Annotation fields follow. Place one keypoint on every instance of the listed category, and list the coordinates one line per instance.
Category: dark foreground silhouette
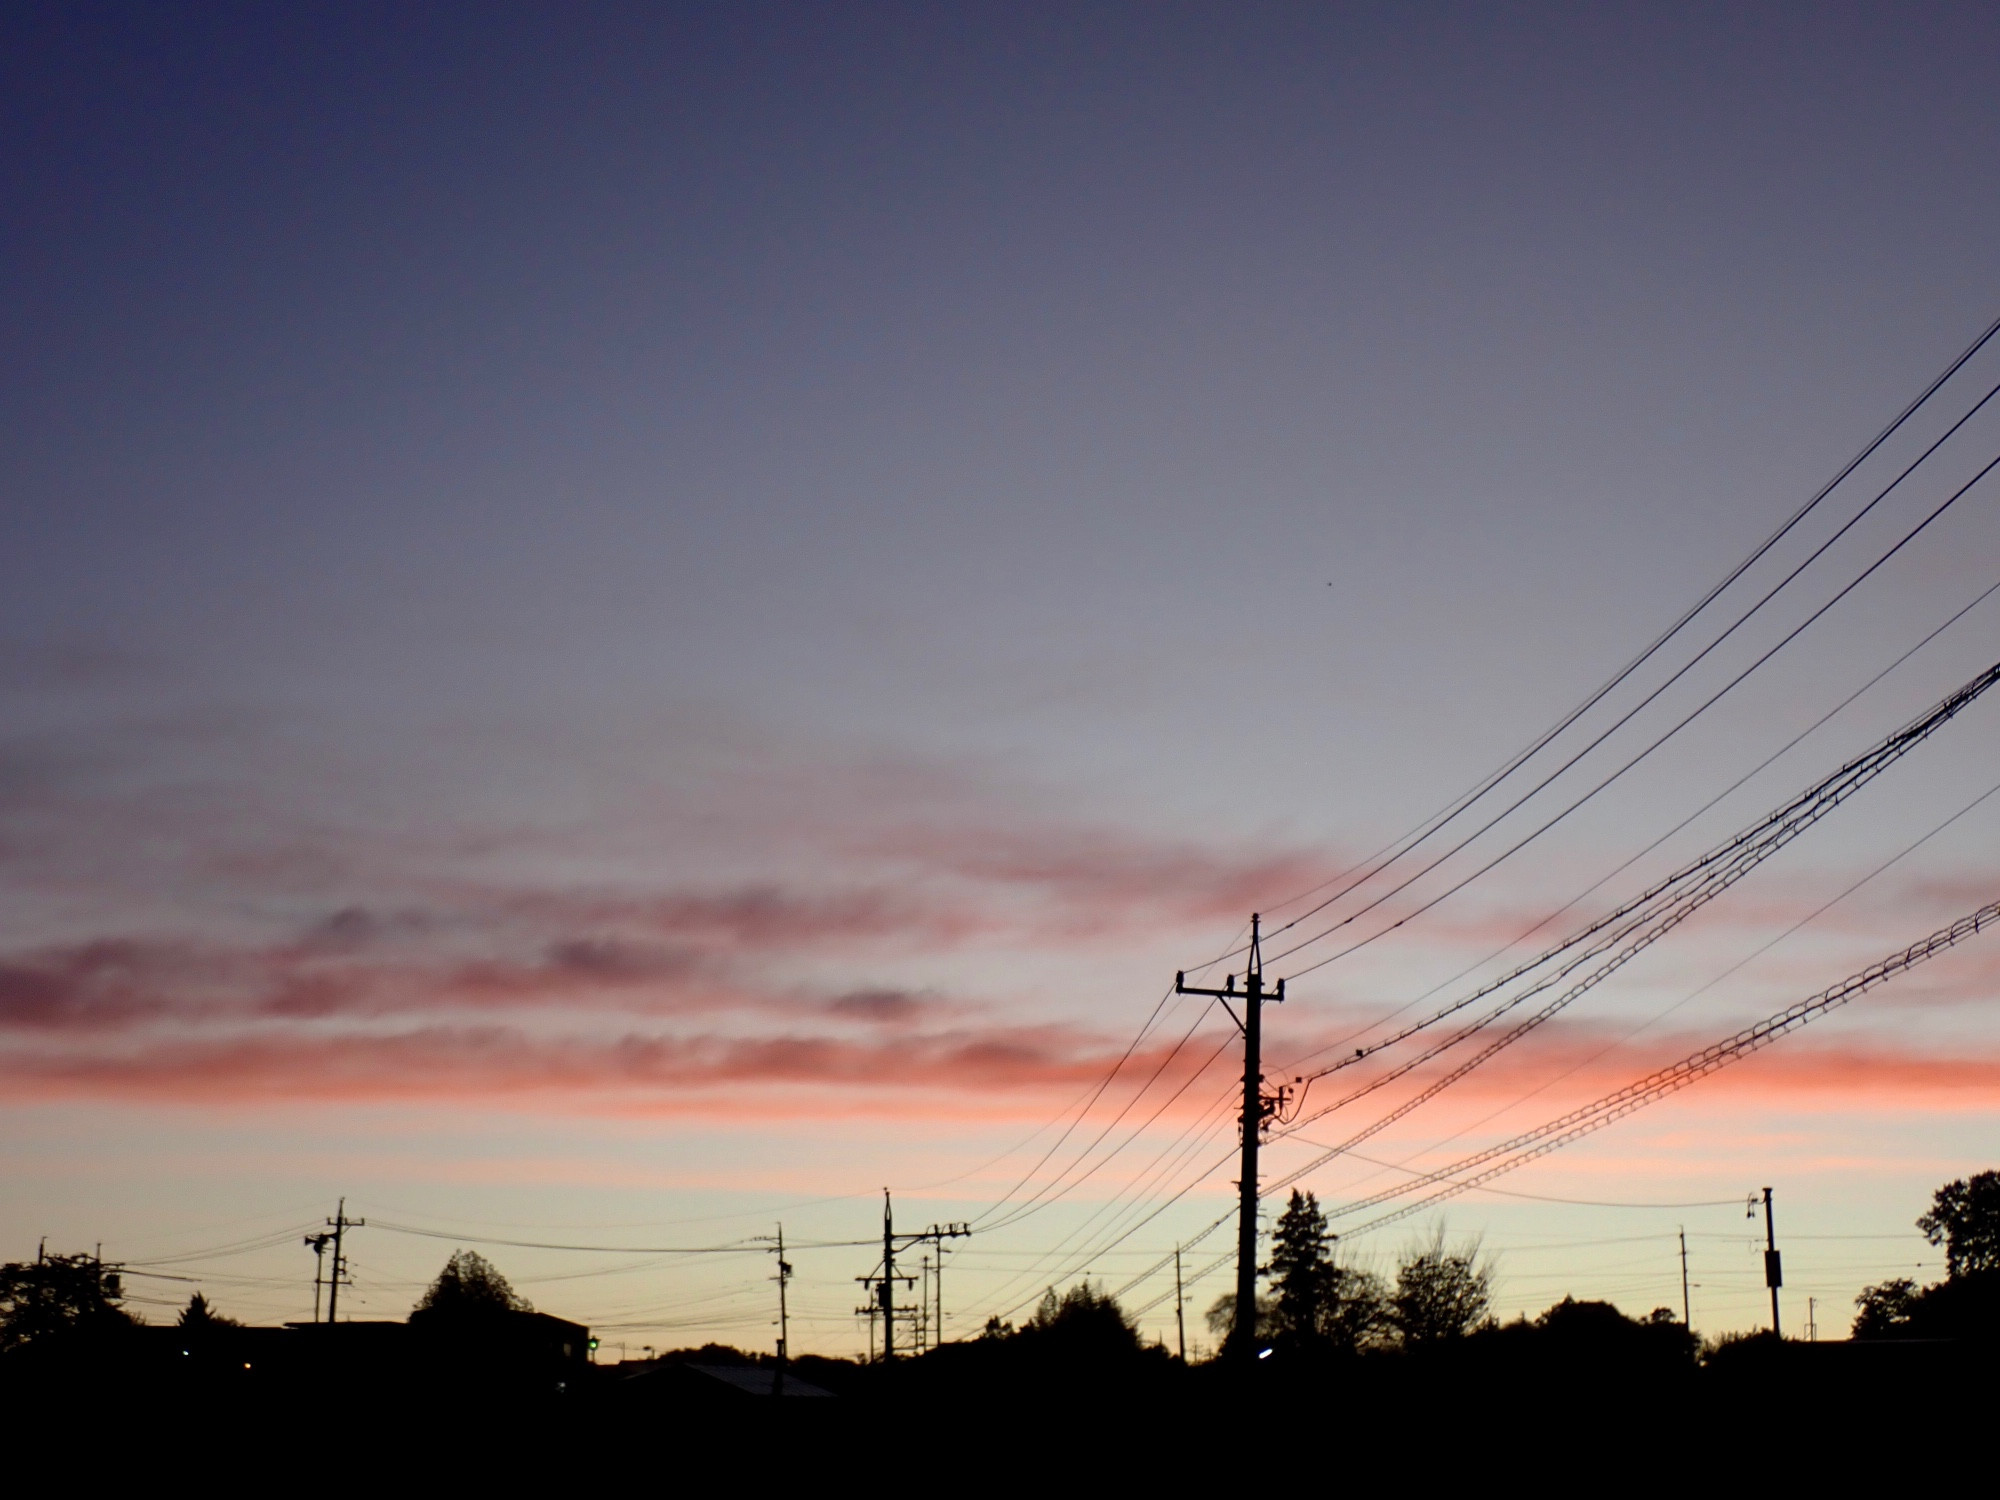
(1347, 1370)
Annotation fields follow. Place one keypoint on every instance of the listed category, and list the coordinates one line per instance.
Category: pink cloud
(124, 985)
(499, 1062)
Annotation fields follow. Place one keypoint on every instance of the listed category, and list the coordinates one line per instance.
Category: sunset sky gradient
(622, 622)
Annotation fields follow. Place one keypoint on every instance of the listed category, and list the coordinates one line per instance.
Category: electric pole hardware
(1258, 1108)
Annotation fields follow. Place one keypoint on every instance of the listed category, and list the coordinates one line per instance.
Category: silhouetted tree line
(1319, 1320)
(1319, 1308)
(1964, 1217)
(57, 1297)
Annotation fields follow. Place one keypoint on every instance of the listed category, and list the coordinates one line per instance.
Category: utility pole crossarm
(1228, 992)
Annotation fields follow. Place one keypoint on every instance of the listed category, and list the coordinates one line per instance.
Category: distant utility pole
(883, 1287)
(339, 1224)
(784, 1328)
(1774, 1274)
(1257, 1108)
(1180, 1318)
(924, 1307)
(933, 1271)
(1687, 1307)
(1812, 1320)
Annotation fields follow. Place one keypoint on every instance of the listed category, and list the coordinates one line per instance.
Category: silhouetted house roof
(524, 1350)
(555, 1338)
(501, 1354)
(674, 1382)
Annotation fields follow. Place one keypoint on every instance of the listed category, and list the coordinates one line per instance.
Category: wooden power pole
(1687, 1306)
(339, 1224)
(1180, 1318)
(1256, 1109)
(1774, 1273)
(882, 1302)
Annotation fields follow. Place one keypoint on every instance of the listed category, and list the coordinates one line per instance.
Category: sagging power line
(1362, 879)
(1635, 926)
(1482, 1166)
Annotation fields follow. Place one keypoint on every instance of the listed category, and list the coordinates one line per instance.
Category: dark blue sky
(659, 512)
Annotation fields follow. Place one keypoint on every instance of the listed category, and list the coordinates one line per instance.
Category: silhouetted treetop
(1883, 1311)
(1301, 1269)
(1317, 1304)
(58, 1294)
(198, 1315)
(470, 1283)
(1440, 1293)
(1964, 1217)
(1082, 1321)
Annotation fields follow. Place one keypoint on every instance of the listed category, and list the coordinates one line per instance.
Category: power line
(1812, 916)
(1089, 1105)
(221, 1252)
(1707, 806)
(1705, 651)
(1698, 711)
(1743, 853)
(1449, 1181)
(1145, 1190)
(1042, 1198)
(1409, 842)
(738, 1247)
(1118, 1235)
(1713, 874)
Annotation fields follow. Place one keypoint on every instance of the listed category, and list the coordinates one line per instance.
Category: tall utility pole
(888, 1290)
(882, 1300)
(1774, 1274)
(784, 1326)
(924, 1307)
(883, 1303)
(1687, 1307)
(784, 1329)
(1180, 1318)
(340, 1224)
(1257, 1107)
